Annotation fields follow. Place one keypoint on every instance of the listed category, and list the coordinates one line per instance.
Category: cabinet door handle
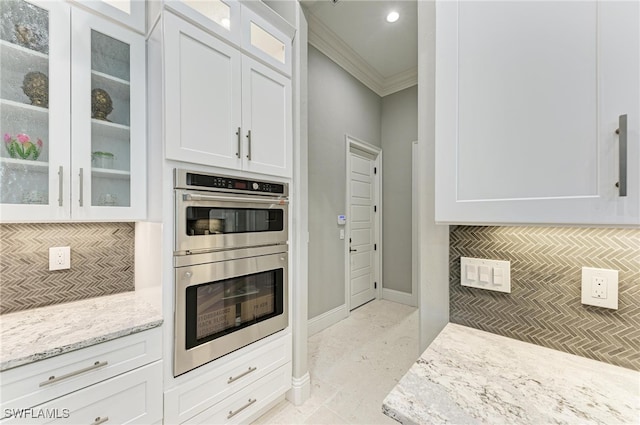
(100, 420)
(53, 379)
(239, 134)
(81, 200)
(622, 155)
(249, 145)
(233, 413)
(245, 373)
(60, 185)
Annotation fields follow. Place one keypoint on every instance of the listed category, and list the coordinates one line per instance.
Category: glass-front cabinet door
(34, 110)
(220, 16)
(108, 128)
(128, 12)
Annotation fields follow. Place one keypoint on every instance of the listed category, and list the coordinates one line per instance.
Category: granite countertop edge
(31, 335)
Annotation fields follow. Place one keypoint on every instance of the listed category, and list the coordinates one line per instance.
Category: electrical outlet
(59, 258)
(600, 287)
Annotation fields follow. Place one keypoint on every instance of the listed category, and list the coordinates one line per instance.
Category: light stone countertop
(31, 335)
(468, 376)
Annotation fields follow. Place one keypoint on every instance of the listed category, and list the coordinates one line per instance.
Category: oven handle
(201, 197)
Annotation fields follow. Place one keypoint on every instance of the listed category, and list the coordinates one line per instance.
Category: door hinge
(375, 208)
(375, 170)
(375, 246)
(375, 285)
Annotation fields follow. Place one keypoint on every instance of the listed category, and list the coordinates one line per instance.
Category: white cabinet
(528, 99)
(120, 380)
(261, 372)
(83, 110)
(128, 12)
(242, 27)
(203, 101)
(267, 117)
(230, 110)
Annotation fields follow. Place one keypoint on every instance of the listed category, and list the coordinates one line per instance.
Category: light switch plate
(493, 275)
(600, 287)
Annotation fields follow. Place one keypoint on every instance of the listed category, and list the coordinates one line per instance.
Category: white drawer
(30, 385)
(134, 397)
(249, 402)
(204, 389)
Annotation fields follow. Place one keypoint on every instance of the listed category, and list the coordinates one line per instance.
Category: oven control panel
(195, 180)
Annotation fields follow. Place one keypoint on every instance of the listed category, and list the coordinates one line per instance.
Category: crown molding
(400, 81)
(330, 44)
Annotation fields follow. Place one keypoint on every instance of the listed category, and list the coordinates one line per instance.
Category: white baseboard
(300, 389)
(327, 319)
(399, 297)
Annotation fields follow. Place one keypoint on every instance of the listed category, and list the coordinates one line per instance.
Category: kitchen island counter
(471, 376)
(31, 335)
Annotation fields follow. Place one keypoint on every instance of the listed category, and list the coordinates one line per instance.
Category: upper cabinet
(128, 12)
(537, 112)
(233, 110)
(219, 16)
(242, 27)
(70, 145)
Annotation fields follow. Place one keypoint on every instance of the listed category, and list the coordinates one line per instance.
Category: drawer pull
(53, 379)
(100, 420)
(232, 413)
(245, 373)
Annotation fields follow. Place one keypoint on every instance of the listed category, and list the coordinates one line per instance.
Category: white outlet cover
(62, 252)
(589, 274)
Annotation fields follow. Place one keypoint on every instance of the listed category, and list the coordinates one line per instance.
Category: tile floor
(353, 366)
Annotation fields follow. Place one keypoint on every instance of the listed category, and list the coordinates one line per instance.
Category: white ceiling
(356, 35)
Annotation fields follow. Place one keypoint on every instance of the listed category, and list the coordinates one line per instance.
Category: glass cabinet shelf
(25, 165)
(110, 174)
(18, 54)
(34, 112)
(114, 83)
(111, 129)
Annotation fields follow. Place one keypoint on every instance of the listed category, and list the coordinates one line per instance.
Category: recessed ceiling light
(393, 16)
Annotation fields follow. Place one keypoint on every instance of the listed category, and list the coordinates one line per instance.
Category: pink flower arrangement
(22, 146)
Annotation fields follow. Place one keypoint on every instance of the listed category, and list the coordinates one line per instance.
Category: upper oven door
(207, 221)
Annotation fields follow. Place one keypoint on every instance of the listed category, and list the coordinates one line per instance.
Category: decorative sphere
(36, 86)
(101, 104)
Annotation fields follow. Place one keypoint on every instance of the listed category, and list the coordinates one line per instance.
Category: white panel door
(361, 205)
(267, 119)
(528, 96)
(203, 94)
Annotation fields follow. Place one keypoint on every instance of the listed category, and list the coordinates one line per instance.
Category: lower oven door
(226, 305)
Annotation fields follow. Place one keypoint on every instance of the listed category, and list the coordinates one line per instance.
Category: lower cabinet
(118, 381)
(134, 397)
(246, 404)
(234, 389)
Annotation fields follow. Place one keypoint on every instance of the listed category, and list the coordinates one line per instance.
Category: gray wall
(338, 105)
(399, 130)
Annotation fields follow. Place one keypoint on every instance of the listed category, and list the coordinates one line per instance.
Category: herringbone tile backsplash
(544, 306)
(102, 263)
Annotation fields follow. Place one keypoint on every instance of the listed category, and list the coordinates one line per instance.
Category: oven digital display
(240, 185)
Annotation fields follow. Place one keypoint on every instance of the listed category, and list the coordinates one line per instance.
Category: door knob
(353, 250)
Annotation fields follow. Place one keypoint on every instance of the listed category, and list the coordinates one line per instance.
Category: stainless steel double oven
(230, 263)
